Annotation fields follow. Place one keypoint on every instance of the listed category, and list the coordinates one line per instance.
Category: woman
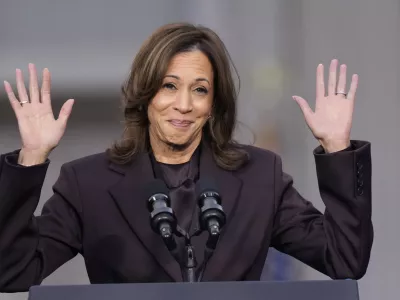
(180, 111)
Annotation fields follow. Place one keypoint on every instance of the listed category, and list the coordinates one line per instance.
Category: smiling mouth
(180, 123)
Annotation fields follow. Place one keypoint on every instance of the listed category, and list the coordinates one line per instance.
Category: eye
(169, 86)
(201, 90)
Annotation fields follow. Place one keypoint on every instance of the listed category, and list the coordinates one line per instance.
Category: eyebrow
(197, 79)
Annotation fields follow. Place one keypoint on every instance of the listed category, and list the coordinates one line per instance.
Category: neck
(166, 154)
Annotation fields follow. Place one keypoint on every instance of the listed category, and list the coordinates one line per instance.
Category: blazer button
(360, 190)
(359, 166)
(360, 182)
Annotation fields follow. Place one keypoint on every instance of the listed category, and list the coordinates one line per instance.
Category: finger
(341, 87)
(305, 108)
(320, 85)
(332, 77)
(353, 87)
(33, 84)
(65, 112)
(22, 95)
(46, 99)
(11, 96)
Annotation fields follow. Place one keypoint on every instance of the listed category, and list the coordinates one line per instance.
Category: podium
(246, 290)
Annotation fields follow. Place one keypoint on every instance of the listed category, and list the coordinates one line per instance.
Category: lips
(181, 123)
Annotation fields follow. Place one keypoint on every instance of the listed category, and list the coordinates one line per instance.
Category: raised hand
(331, 121)
(40, 131)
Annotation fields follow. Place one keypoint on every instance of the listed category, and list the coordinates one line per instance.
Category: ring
(341, 93)
(24, 102)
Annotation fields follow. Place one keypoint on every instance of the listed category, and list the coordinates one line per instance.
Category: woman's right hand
(40, 131)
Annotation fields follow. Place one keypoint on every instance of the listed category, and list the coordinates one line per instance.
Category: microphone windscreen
(206, 185)
(156, 186)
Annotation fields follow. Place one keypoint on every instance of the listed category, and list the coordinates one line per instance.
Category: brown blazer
(98, 210)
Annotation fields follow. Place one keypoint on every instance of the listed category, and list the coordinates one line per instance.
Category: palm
(39, 130)
(332, 118)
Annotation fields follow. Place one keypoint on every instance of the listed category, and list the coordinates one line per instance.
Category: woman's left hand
(331, 121)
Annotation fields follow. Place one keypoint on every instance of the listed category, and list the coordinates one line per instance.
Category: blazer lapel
(129, 195)
(229, 188)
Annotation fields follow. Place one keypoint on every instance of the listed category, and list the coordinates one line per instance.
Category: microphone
(162, 217)
(212, 216)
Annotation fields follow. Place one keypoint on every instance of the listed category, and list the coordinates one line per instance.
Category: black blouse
(180, 180)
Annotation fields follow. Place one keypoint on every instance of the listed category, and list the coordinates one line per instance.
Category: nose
(183, 102)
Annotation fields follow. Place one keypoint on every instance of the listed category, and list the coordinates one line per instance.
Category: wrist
(334, 145)
(32, 157)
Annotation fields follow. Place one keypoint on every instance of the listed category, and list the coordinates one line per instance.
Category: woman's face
(183, 104)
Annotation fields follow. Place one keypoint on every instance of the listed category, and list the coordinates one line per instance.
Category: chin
(179, 142)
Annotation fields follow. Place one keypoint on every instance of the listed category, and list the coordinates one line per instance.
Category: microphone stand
(170, 243)
(189, 263)
(212, 219)
(213, 237)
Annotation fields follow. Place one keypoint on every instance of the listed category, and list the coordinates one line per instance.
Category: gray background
(276, 45)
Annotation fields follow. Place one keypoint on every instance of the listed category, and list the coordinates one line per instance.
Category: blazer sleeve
(337, 243)
(31, 248)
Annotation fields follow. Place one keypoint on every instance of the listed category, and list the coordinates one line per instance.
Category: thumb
(65, 111)
(305, 108)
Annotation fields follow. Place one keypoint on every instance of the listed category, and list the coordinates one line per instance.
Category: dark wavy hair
(148, 70)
